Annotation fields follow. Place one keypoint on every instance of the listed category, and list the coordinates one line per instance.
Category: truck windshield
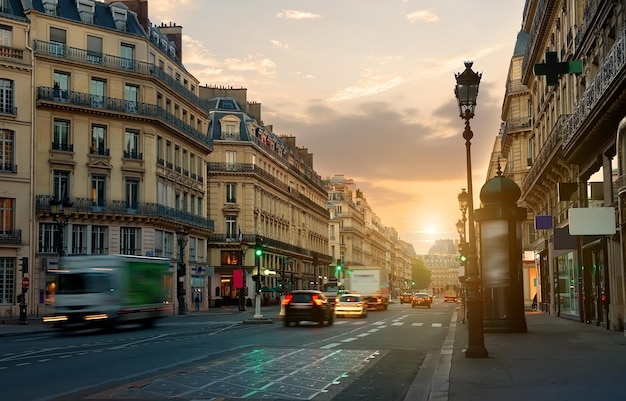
(82, 283)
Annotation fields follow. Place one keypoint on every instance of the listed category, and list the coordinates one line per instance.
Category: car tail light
(287, 299)
(316, 300)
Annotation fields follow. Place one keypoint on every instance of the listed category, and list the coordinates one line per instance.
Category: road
(218, 357)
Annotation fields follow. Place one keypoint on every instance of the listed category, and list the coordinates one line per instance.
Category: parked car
(351, 305)
(406, 298)
(420, 299)
(309, 306)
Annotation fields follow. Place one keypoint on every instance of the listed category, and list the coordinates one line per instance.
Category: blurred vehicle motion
(351, 305)
(406, 298)
(420, 299)
(308, 305)
(107, 290)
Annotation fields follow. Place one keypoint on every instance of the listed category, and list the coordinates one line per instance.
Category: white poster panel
(494, 255)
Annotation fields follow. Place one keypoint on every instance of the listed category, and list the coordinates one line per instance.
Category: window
(61, 184)
(168, 154)
(231, 227)
(159, 150)
(61, 136)
(192, 246)
(99, 240)
(47, 238)
(6, 36)
(192, 165)
(57, 41)
(7, 214)
(7, 280)
(98, 92)
(132, 193)
(130, 241)
(185, 162)
(127, 53)
(131, 97)
(7, 151)
(192, 203)
(98, 191)
(177, 158)
(98, 140)
(131, 145)
(231, 193)
(6, 97)
(61, 91)
(79, 239)
(200, 212)
(163, 244)
(94, 49)
(231, 160)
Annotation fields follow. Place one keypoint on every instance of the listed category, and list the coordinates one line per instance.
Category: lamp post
(242, 290)
(60, 211)
(466, 92)
(258, 253)
(181, 237)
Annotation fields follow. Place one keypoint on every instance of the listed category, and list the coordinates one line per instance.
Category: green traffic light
(258, 252)
(339, 267)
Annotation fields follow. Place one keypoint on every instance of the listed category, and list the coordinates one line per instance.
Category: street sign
(25, 282)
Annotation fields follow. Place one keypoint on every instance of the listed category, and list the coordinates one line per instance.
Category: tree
(420, 274)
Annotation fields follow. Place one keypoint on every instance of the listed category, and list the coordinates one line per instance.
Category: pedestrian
(197, 301)
(534, 304)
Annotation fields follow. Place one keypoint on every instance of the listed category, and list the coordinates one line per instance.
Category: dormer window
(51, 6)
(86, 10)
(119, 16)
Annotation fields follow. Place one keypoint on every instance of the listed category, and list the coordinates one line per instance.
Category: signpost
(25, 282)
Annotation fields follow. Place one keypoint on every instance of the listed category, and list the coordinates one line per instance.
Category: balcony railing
(258, 240)
(10, 236)
(65, 147)
(133, 155)
(122, 106)
(612, 66)
(8, 168)
(10, 52)
(121, 207)
(118, 63)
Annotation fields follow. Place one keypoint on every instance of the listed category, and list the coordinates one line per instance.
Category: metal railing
(121, 106)
(122, 207)
(10, 236)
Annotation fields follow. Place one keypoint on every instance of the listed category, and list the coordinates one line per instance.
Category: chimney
(175, 34)
(139, 7)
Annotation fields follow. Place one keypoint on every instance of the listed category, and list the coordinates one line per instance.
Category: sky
(367, 86)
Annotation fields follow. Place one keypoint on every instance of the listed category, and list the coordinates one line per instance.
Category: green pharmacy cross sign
(552, 68)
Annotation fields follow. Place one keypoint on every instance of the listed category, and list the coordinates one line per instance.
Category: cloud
(293, 14)
(372, 83)
(278, 43)
(208, 68)
(422, 15)
(165, 10)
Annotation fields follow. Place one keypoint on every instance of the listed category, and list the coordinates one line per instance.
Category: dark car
(420, 299)
(406, 298)
(308, 306)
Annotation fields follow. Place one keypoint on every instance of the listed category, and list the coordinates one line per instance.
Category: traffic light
(25, 264)
(258, 252)
(338, 266)
(463, 253)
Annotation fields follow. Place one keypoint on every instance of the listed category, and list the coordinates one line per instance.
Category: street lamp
(466, 92)
(258, 253)
(242, 290)
(60, 211)
(181, 237)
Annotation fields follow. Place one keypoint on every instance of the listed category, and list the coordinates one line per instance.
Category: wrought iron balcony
(11, 237)
(121, 207)
(117, 63)
(65, 147)
(121, 106)
(8, 168)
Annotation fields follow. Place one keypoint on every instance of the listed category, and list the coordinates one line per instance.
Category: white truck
(106, 290)
(373, 283)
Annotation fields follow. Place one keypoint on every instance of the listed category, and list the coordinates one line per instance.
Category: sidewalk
(557, 359)
(14, 327)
